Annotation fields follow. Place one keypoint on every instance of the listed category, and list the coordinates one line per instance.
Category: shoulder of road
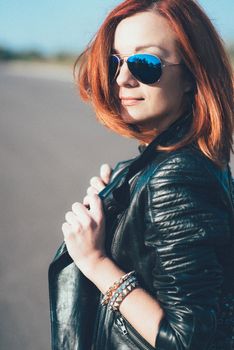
(39, 70)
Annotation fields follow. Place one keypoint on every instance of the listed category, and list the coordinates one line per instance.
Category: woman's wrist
(103, 272)
(88, 266)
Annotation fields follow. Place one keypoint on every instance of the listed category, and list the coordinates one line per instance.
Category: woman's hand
(84, 233)
(84, 229)
(99, 183)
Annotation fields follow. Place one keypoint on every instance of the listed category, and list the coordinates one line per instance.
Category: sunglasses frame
(124, 58)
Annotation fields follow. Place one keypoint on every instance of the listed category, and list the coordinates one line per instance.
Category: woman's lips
(131, 101)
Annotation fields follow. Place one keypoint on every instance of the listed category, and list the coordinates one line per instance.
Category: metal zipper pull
(121, 324)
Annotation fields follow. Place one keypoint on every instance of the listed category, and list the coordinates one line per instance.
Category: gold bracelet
(108, 295)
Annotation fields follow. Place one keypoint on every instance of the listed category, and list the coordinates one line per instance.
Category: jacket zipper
(113, 245)
(142, 343)
(121, 324)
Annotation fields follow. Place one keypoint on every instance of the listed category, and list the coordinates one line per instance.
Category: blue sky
(67, 25)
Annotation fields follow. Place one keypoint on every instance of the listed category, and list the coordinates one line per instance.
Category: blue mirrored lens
(145, 68)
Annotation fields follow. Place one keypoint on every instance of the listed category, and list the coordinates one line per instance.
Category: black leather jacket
(169, 217)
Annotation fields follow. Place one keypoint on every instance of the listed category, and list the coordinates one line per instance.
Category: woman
(152, 251)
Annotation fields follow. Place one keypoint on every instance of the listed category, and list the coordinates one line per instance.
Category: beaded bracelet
(124, 289)
(120, 289)
(108, 295)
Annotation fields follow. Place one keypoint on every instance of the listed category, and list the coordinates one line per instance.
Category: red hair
(204, 56)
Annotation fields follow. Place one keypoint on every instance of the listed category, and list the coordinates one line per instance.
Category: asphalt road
(50, 146)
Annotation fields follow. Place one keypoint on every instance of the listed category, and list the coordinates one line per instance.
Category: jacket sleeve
(187, 222)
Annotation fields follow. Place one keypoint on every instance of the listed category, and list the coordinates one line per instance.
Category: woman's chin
(139, 120)
(133, 118)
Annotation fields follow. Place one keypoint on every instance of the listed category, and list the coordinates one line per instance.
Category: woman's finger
(67, 231)
(82, 214)
(105, 173)
(95, 207)
(72, 219)
(92, 190)
(97, 183)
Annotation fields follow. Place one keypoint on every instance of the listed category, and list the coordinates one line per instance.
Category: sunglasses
(146, 68)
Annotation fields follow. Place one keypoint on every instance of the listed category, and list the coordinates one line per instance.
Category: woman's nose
(125, 77)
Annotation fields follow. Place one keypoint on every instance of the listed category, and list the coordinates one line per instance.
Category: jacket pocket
(131, 333)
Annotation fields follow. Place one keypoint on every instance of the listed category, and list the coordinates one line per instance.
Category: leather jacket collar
(118, 196)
